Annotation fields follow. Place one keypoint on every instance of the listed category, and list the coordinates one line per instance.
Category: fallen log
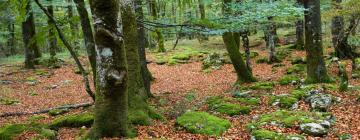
(9, 114)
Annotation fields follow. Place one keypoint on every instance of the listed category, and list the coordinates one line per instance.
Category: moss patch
(284, 101)
(298, 60)
(296, 69)
(56, 112)
(222, 105)
(260, 86)
(267, 135)
(8, 132)
(287, 79)
(250, 101)
(203, 123)
(78, 120)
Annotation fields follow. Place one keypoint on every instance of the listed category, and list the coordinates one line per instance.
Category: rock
(320, 102)
(5, 82)
(314, 129)
(31, 83)
(325, 124)
(295, 137)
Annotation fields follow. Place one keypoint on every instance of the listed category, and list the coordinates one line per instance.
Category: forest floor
(32, 90)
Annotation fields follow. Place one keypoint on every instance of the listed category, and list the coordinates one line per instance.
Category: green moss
(267, 135)
(36, 118)
(298, 93)
(203, 123)
(284, 101)
(78, 120)
(172, 62)
(161, 61)
(287, 118)
(181, 56)
(30, 79)
(295, 69)
(344, 136)
(8, 132)
(56, 112)
(260, 86)
(139, 117)
(48, 134)
(249, 101)
(232, 109)
(287, 79)
(8, 101)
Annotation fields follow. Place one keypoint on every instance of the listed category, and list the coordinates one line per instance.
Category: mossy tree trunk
(337, 26)
(88, 35)
(316, 70)
(243, 73)
(52, 41)
(271, 40)
(111, 105)
(145, 72)
(28, 32)
(202, 37)
(154, 13)
(343, 49)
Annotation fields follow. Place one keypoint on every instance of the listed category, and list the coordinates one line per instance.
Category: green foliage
(260, 86)
(214, 61)
(223, 105)
(249, 101)
(8, 101)
(284, 101)
(78, 120)
(139, 117)
(287, 79)
(262, 60)
(8, 132)
(298, 60)
(202, 123)
(181, 56)
(345, 136)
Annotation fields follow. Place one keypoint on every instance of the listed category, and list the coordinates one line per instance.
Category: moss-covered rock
(288, 79)
(181, 56)
(171, 62)
(203, 123)
(223, 105)
(78, 120)
(213, 60)
(260, 86)
(287, 118)
(161, 61)
(283, 101)
(263, 134)
(8, 132)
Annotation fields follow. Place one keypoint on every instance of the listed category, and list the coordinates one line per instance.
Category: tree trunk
(146, 74)
(88, 35)
(51, 37)
(316, 70)
(271, 40)
(159, 36)
(73, 26)
(11, 39)
(202, 37)
(337, 26)
(246, 45)
(243, 74)
(344, 50)
(28, 31)
(299, 35)
(111, 105)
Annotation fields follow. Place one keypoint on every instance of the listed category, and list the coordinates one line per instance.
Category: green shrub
(203, 123)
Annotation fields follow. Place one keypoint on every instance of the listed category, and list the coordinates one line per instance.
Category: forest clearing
(168, 69)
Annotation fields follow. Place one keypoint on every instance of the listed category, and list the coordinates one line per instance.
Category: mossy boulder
(224, 106)
(203, 123)
(263, 134)
(288, 79)
(284, 101)
(260, 86)
(181, 56)
(78, 120)
(213, 61)
(8, 132)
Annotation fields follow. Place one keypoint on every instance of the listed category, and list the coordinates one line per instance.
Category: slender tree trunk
(299, 31)
(316, 70)
(243, 74)
(73, 26)
(28, 31)
(111, 105)
(344, 50)
(51, 37)
(272, 40)
(146, 74)
(202, 37)
(246, 45)
(11, 39)
(159, 36)
(88, 35)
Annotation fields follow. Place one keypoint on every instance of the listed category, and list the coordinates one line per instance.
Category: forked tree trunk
(111, 105)
(316, 70)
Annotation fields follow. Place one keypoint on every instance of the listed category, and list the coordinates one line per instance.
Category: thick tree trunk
(51, 37)
(28, 31)
(243, 74)
(146, 74)
(299, 35)
(111, 105)
(11, 39)
(337, 26)
(316, 70)
(88, 35)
